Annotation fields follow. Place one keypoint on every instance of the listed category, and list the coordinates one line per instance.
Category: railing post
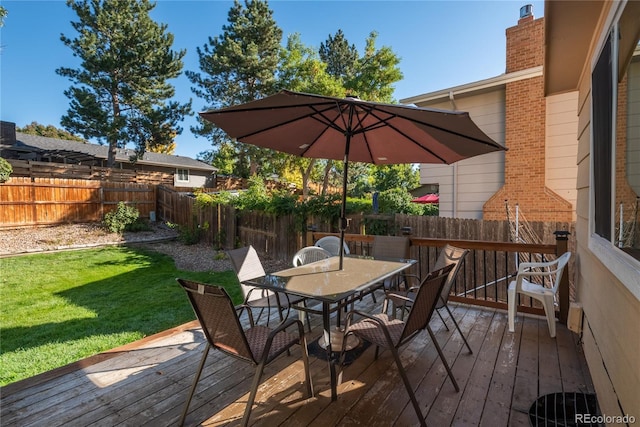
(311, 228)
(562, 240)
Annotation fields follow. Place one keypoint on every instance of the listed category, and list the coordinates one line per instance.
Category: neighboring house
(538, 171)
(592, 48)
(186, 172)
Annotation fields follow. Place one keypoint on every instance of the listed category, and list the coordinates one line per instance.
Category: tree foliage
(240, 65)
(3, 14)
(246, 62)
(49, 131)
(120, 93)
(340, 57)
(404, 176)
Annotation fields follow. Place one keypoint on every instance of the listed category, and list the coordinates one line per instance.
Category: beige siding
(611, 311)
(478, 178)
(561, 145)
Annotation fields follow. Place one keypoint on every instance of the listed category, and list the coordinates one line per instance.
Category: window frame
(180, 173)
(622, 265)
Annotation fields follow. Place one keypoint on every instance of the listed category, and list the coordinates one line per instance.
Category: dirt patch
(161, 238)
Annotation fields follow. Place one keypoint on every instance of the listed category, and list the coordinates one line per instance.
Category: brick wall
(525, 115)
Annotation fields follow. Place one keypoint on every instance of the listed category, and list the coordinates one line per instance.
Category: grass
(61, 307)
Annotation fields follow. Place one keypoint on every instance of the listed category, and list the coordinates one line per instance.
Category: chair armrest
(246, 307)
(524, 266)
(396, 297)
(281, 328)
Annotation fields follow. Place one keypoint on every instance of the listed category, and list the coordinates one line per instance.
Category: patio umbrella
(353, 130)
(427, 198)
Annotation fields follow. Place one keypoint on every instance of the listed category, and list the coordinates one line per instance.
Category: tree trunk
(325, 181)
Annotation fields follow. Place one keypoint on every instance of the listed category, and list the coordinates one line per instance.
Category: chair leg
(444, 360)
(252, 394)
(205, 353)
(442, 318)
(550, 311)
(305, 361)
(458, 328)
(511, 302)
(407, 384)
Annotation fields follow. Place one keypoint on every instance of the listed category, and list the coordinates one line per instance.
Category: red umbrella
(317, 126)
(427, 198)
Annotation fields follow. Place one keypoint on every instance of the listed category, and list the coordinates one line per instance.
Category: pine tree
(120, 94)
(238, 66)
(340, 57)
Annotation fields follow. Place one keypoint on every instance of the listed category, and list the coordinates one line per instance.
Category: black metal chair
(257, 345)
(450, 255)
(391, 333)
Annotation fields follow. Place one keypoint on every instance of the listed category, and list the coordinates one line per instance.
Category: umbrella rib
(451, 131)
(311, 114)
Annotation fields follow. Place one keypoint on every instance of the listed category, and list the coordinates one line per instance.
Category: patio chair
(304, 256)
(532, 283)
(450, 255)
(332, 245)
(391, 333)
(257, 345)
(393, 247)
(310, 254)
(247, 265)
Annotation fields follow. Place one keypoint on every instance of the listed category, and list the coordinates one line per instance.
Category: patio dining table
(333, 287)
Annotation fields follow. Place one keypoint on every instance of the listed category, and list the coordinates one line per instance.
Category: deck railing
(486, 271)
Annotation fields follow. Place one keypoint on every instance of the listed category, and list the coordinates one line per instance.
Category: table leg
(326, 321)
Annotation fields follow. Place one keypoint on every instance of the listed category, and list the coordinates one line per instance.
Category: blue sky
(440, 43)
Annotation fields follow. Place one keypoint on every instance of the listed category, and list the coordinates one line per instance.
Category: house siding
(466, 185)
(611, 338)
(561, 145)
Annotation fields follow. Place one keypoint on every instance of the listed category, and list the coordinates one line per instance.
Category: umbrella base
(337, 336)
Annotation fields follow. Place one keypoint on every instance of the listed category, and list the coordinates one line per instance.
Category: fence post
(562, 239)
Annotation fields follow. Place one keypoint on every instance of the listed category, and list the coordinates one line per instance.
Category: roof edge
(476, 86)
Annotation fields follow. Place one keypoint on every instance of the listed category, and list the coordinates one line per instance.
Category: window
(183, 175)
(602, 96)
(615, 151)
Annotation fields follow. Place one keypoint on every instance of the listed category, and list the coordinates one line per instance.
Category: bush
(190, 234)
(5, 170)
(117, 220)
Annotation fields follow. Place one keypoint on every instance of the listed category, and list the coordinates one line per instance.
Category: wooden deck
(146, 383)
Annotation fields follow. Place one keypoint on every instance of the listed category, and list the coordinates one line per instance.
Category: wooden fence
(28, 202)
(28, 168)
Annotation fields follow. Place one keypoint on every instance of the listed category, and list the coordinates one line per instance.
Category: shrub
(5, 170)
(117, 220)
(190, 234)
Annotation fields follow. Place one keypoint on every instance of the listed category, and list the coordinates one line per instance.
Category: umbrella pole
(343, 208)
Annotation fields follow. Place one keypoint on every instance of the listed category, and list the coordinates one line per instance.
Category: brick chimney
(525, 119)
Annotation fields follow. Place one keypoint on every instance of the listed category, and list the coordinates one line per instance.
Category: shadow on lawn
(146, 300)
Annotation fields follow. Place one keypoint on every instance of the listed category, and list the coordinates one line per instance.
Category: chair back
(555, 269)
(331, 244)
(217, 316)
(247, 265)
(309, 254)
(450, 255)
(390, 247)
(425, 302)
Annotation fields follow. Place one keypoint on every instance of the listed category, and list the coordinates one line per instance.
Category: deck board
(146, 383)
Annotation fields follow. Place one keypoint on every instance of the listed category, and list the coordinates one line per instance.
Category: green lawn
(58, 308)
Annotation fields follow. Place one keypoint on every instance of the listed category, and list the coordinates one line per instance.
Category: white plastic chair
(332, 245)
(310, 254)
(546, 272)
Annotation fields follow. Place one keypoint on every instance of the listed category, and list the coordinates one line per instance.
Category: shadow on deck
(146, 383)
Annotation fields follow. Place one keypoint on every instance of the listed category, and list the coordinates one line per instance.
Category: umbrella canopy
(427, 198)
(353, 130)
